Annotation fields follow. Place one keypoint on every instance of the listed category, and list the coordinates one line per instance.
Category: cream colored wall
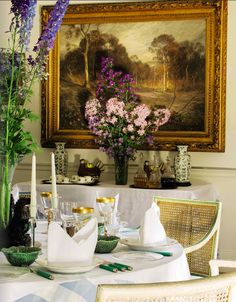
(217, 168)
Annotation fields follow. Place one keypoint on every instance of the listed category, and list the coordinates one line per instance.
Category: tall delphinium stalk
(19, 69)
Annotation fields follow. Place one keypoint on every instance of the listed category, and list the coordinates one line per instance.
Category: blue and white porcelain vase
(182, 165)
(61, 159)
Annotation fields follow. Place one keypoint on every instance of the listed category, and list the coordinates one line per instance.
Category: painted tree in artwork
(182, 63)
(188, 65)
(84, 31)
(81, 32)
(163, 48)
(171, 69)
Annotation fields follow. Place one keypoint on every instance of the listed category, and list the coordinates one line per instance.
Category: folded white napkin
(151, 230)
(66, 250)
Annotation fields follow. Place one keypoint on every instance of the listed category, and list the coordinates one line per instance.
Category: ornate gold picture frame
(176, 52)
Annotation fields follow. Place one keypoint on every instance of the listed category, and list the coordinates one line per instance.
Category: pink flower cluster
(120, 122)
(123, 127)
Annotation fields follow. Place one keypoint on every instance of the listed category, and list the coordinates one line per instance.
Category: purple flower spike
(46, 40)
(19, 70)
(24, 13)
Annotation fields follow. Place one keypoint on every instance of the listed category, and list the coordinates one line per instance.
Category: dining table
(19, 284)
(133, 202)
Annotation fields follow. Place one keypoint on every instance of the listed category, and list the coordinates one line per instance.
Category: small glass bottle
(155, 176)
(140, 178)
(168, 177)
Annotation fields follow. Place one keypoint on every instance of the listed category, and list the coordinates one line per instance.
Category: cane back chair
(218, 289)
(195, 224)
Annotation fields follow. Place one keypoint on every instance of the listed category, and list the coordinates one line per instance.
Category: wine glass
(46, 198)
(82, 215)
(48, 211)
(67, 216)
(106, 208)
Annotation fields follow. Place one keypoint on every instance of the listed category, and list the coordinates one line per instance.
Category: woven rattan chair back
(211, 289)
(195, 224)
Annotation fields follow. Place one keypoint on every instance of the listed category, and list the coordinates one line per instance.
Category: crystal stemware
(106, 208)
(46, 198)
(82, 215)
(67, 216)
(48, 212)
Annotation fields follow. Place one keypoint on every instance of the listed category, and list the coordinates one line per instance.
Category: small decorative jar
(182, 164)
(61, 159)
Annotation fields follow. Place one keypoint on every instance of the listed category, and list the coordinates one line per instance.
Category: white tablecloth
(82, 287)
(132, 202)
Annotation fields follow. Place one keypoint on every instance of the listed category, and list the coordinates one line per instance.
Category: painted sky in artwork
(137, 37)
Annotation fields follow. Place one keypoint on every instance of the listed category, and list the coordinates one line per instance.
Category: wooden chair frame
(215, 265)
(220, 288)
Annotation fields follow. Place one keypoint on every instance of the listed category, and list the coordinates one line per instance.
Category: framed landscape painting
(175, 51)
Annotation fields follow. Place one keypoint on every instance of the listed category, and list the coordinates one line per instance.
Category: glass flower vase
(11, 229)
(6, 175)
(121, 170)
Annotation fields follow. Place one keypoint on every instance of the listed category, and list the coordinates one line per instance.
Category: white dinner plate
(12, 272)
(136, 256)
(72, 269)
(134, 244)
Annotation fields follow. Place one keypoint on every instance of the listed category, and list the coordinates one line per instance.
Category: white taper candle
(33, 199)
(54, 183)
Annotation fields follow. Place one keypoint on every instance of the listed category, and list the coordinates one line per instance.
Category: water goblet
(113, 225)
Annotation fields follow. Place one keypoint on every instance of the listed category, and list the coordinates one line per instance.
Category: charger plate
(73, 268)
(134, 244)
(134, 256)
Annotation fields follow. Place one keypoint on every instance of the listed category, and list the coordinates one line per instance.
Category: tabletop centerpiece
(20, 69)
(121, 123)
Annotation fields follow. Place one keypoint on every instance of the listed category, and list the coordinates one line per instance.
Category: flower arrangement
(19, 70)
(120, 122)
